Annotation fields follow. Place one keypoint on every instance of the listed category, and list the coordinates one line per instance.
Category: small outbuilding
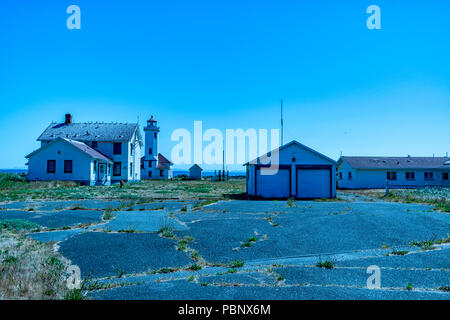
(195, 172)
(293, 170)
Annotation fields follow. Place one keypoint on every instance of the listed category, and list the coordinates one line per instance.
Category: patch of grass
(444, 207)
(166, 232)
(75, 294)
(18, 225)
(409, 287)
(195, 255)
(252, 239)
(246, 244)
(232, 270)
(423, 244)
(31, 269)
(327, 264)
(444, 288)
(191, 278)
(237, 264)
(182, 245)
(291, 202)
(108, 213)
(127, 231)
(385, 246)
(195, 267)
(188, 238)
(399, 252)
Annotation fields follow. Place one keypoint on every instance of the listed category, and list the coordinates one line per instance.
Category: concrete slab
(100, 254)
(55, 219)
(185, 290)
(143, 221)
(390, 278)
(56, 236)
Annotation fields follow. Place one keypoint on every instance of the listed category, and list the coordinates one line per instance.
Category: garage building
(302, 173)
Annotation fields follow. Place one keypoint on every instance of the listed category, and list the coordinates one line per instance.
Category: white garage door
(273, 186)
(313, 183)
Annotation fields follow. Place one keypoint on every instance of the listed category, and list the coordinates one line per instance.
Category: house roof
(397, 162)
(293, 142)
(195, 166)
(163, 162)
(81, 146)
(95, 131)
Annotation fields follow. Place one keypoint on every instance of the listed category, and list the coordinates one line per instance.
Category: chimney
(68, 119)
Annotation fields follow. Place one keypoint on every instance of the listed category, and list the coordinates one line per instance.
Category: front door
(101, 172)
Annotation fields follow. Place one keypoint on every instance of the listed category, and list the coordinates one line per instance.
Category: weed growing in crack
(327, 264)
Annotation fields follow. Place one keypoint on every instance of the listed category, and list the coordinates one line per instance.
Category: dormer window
(94, 144)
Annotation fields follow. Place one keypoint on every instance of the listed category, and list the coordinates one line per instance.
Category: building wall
(345, 183)
(60, 151)
(126, 158)
(376, 179)
(302, 157)
(195, 174)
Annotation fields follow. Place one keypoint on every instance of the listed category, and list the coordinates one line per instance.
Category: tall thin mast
(281, 121)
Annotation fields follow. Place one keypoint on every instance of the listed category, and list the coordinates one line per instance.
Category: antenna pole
(281, 121)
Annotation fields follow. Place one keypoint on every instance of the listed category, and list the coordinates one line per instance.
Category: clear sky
(228, 63)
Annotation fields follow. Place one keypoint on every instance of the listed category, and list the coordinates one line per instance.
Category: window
(155, 135)
(428, 175)
(131, 148)
(161, 173)
(51, 166)
(131, 169)
(340, 175)
(94, 144)
(445, 176)
(392, 175)
(150, 151)
(149, 164)
(95, 165)
(410, 176)
(149, 174)
(143, 165)
(349, 175)
(117, 148)
(68, 166)
(117, 169)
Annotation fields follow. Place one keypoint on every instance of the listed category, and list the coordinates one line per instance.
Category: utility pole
(223, 158)
(281, 121)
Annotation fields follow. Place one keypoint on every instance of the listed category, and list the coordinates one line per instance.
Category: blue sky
(228, 63)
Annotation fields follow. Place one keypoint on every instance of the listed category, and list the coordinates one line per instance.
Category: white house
(153, 164)
(65, 159)
(195, 172)
(398, 172)
(302, 173)
(119, 143)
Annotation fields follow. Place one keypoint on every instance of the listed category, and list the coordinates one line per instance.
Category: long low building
(300, 172)
(397, 172)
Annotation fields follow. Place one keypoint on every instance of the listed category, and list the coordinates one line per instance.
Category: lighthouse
(149, 164)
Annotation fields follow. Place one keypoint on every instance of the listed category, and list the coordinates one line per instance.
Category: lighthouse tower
(148, 167)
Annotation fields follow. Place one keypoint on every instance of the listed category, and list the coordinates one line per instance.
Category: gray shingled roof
(79, 145)
(90, 131)
(88, 150)
(397, 162)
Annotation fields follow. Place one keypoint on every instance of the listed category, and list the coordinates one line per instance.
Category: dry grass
(30, 269)
(13, 188)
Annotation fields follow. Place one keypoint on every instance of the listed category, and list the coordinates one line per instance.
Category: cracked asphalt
(249, 249)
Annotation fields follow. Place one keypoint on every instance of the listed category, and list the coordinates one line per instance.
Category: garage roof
(293, 142)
